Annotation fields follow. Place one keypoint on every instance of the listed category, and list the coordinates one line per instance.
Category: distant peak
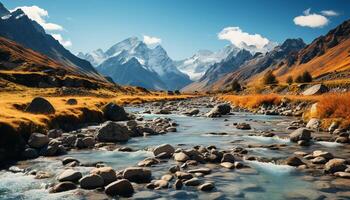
(3, 10)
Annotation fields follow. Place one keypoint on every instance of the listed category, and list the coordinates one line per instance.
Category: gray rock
(137, 174)
(91, 181)
(164, 148)
(114, 112)
(181, 157)
(313, 123)
(121, 187)
(69, 175)
(206, 187)
(30, 153)
(62, 187)
(316, 89)
(227, 157)
(38, 140)
(192, 182)
(40, 105)
(113, 132)
(300, 134)
(67, 160)
(228, 165)
(107, 173)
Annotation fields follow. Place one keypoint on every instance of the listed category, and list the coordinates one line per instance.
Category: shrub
(235, 86)
(290, 80)
(269, 78)
(304, 78)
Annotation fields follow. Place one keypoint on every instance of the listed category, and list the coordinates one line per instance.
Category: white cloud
(329, 13)
(241, 39)
(149, 40)
(39, 15)
(59, 38)
(311, 20)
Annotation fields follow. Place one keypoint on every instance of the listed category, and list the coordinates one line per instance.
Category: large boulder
(218, 110)
(40, 105)
(114, 112)
(38, 140)
(167, 149)
(181, 157)
(69, 175)
(91, 181)
(313, 123)
(121, 187)
(113, 132)
(107, 173)
(316, 89)
(335, 165)
(300, 134)
(137, 174)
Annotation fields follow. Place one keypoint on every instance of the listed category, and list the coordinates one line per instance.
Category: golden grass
(12, 104)
(330, 107)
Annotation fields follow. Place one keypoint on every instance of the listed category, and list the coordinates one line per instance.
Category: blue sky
(184, 26)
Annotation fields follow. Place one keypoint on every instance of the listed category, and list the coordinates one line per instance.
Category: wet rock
(162, 111)
(54, 133)
(178, 184)
(167, 177)
(113, 132)
(342, 174)
(206, 187)
(107, 173)
(243, 126)
(316, 89)
(313, 123)
(200, 170)
(333, 126)
(303, 143)
(38, 140)
(294, 161)
(181, 157)
(148, 162)
(319, 160)
(192, 182)
(67, 160)
(42, 175)
(69, 175)
(30, 153)
(218, 110)
(183, 175)
(227, 165)
(88, 142)
(300, 134)
(174, 169)
(323, 186)
(164, 148)
(120, 188)
(227, 157)
(62, 187)
(192, 112)
(40, 105)
(161, 184)
(91, 181)
(342, 140)
(323, 154)
(137, 174)
(114, 112)
(335, 165)
(171, 129)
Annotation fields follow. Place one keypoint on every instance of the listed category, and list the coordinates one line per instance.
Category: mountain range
(132, 62)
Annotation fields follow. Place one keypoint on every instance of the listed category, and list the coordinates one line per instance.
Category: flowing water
(261, 181)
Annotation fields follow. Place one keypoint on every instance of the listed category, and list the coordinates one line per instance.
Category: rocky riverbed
(190, 149)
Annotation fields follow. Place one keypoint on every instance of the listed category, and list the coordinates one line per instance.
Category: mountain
(261, 62)
(22, 66)
(155, 61)
(233, 61)
(17, 27)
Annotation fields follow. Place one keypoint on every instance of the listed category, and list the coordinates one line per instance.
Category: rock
(114, 112)
(313, 123)
(89, 142)
(303, 143)
(91, 181)
(294, 161)
(148, 162)
(137, 174)
(164, 148)
(342, 140)
(228, 165)
(181, 157)
(69, 175)
(200, 170)
(319, 160)
(113, 132)
(227, 157)
(300, 134)
(206, 187)
(174, 169)
(167, 177)
(316, 89)
(183, 175)
(30, 153)
(218, 110)
(40, 105)
(72, 101)
(62, 187)
(323, 154)
(146, 195)
(161, 184)
(67, 160)
(42, 175)
(192, 182)
(335, 165)
(192, 112)
(178, 184)
(343, 174)
(121, 187)
(107, 173)
(171, 129)
(54, 133)
(333, 126)
(38, 140)
(243, 126)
